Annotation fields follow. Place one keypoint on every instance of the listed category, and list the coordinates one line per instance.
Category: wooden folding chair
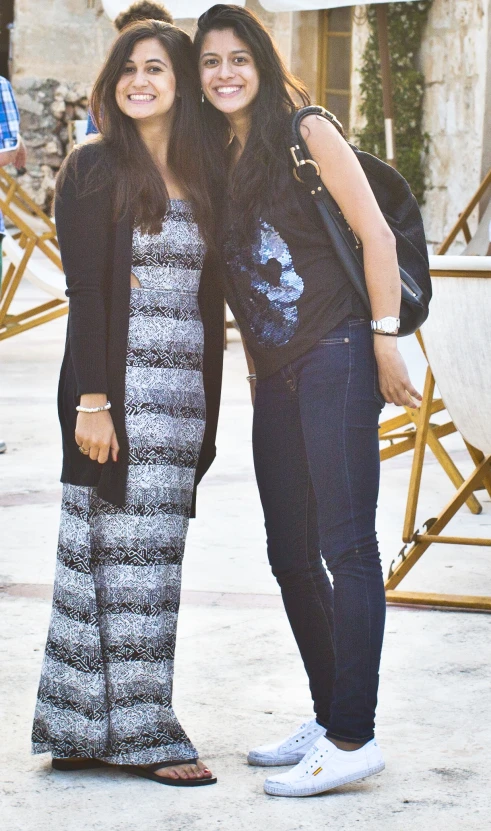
(401, 431)
(457, 342)
(25, 258)
(14, 198)
(30, 250)
(477, 243)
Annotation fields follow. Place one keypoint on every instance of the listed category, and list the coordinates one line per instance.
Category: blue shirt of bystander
(9, 125)
(91, 128)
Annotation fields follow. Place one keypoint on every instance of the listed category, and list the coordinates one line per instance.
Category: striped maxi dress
(106, 680)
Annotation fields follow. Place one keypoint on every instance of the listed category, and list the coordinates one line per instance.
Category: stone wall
(63, 39)
(359, 39)
(454, 60)
(45, 108)
(57, 55)
(68, 42)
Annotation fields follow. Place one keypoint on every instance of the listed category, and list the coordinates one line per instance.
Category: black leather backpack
(400, 210)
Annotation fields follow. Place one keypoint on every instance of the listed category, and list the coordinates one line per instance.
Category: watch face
(389, 324)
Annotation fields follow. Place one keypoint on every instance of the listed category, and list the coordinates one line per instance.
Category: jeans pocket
(327, 341)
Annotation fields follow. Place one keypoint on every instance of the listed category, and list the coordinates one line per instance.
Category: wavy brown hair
(253, 182)
(137, 184)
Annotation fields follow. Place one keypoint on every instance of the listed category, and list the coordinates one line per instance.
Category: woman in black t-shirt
(321, 382)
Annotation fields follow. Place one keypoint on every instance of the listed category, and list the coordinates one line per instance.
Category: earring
(202, 97)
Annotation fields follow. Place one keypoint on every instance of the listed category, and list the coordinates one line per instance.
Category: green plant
(405, 23)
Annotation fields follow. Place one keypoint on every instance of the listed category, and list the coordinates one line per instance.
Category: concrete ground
(239, 680)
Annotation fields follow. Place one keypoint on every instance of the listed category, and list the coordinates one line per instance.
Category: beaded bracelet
(80, 409)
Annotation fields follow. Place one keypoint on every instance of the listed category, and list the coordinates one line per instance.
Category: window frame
(325, 34)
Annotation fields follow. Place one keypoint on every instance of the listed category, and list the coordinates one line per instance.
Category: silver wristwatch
(386, 325)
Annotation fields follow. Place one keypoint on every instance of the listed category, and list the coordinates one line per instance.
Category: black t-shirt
(286, 286)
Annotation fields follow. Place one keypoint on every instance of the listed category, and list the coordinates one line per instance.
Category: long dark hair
(138, 186)
(254, 179)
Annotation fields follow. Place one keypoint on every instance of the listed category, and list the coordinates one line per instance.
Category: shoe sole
(76, 764)
(274, 789)
(261, 761)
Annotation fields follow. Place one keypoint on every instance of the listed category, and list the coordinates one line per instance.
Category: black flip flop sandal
(148, 772)
(76, 764)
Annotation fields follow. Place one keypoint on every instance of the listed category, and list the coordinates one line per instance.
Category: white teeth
(141, 97)
(227, 90)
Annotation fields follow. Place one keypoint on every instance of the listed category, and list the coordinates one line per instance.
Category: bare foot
(185, 771)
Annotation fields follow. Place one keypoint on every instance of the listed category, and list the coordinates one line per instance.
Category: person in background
(12, 151)
(141, 10)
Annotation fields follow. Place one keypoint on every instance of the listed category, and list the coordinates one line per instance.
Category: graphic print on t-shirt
(272, 289)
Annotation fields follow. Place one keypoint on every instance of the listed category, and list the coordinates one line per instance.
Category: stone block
(435, 109)
(34, 143)
(71, 96)
(53, 147)
(28, 122)
(80, 113)
(61, 92)
(433, 212)
(58, 108)
(441, 15)
(27, 104)
(438, 166)
(24, 84)
(433, 60)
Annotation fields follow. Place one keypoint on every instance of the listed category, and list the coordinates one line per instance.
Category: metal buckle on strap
(293, 151)
(299, 163)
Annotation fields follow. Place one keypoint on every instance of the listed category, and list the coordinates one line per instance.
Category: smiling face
(147, 87)
(229, 76)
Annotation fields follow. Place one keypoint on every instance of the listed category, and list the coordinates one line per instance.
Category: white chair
(457, 342)
(398, 434)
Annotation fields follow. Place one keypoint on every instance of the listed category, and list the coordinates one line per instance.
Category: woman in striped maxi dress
(133, 219)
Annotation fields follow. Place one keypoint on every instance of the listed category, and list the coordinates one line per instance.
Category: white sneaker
(325, 767)
(288, 751)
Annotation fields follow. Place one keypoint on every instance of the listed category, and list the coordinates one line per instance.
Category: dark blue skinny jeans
(316, 455)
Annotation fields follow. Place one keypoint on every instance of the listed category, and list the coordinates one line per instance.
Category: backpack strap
(306, 170)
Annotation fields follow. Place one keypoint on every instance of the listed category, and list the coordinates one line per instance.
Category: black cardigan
(96, 253)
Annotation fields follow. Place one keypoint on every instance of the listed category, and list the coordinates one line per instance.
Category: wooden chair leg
(422, 544)
(12, 326)
(418, 457)
(14, 282)
(445, 461)
(7, 278)
(477, 458)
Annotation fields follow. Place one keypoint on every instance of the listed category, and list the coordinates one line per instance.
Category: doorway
(6, 25)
